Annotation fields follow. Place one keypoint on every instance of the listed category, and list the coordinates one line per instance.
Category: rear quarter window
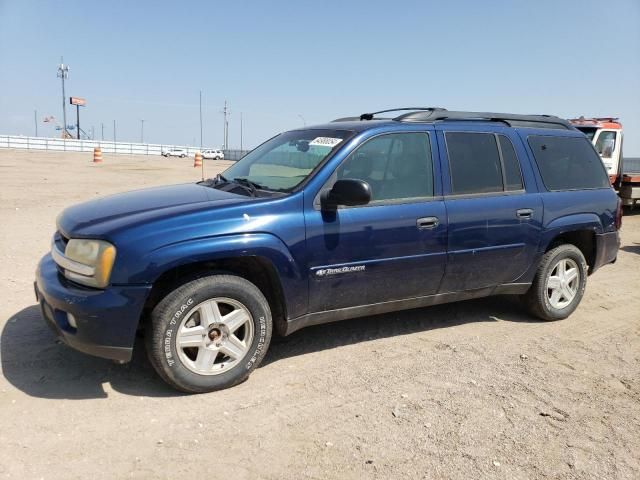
(568, 163)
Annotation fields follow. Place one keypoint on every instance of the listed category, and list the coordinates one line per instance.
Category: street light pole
(35, 120)
(141, 131)
(114, 132)
(63, 73)
(102, 128)
(240, 133)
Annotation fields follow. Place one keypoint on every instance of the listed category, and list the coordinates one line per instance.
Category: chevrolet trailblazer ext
(356, 217)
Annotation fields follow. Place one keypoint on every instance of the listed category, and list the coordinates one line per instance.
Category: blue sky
(276, 61)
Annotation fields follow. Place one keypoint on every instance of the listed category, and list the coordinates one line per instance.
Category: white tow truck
(606, 134)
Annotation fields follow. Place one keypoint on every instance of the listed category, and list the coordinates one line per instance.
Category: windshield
(588, 131)
(283, 162)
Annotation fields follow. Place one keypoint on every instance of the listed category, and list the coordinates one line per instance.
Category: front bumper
(106, 320)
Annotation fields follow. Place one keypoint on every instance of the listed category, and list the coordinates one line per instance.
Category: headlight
(90, 263)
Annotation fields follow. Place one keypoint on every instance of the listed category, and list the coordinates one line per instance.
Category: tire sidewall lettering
(169, 335)
(259, 351)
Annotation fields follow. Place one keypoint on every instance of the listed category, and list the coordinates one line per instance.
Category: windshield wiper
(220, 179)
(214, 181)
(248, 183)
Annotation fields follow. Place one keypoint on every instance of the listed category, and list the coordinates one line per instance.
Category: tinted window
(512, 175)
(568, 163)
(396, 166)
(474, 163)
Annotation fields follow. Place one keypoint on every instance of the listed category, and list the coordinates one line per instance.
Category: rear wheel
(559, 284)
(209, 334)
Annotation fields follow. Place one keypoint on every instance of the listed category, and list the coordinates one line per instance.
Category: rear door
(393, 248)
(494, 209)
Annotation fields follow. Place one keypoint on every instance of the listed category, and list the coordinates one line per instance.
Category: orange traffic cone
(97, 155)
(197, 161)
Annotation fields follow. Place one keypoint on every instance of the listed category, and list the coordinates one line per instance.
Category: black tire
(166, 318)
(537, 299)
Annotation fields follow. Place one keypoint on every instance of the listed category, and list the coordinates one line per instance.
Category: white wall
(72, 145)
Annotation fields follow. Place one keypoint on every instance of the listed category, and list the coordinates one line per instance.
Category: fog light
(72, 320)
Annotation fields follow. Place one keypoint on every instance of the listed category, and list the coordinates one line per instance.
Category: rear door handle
(524, 213)
(427, 223)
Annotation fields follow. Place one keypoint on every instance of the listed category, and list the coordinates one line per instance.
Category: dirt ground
(469, 390)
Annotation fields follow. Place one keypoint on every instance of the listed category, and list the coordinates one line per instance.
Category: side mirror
(349, 192)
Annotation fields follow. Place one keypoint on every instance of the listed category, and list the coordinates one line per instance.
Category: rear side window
(568, 163)
(512, 175)
(477, 165)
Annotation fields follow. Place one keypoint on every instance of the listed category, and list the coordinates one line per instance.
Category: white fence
(72, 145)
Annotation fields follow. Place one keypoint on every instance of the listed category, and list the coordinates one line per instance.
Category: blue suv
(357, 217)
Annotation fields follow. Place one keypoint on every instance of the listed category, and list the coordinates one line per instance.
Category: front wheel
(559, 283)
(209, 333)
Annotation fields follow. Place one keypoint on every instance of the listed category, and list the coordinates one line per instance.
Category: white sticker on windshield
(325, 141)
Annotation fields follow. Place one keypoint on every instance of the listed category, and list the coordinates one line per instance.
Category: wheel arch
(261, 258)
(584, 239)
(256, 269)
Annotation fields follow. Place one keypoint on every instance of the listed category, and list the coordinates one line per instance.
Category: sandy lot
(468, 390)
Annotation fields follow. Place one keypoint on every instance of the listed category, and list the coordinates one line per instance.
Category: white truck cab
(606, 135)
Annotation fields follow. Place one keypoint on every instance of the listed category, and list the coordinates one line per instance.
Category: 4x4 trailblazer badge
(323, 272)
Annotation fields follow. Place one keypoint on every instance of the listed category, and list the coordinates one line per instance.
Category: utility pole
(35, 120)
(63, 73)
(141, 131)
(200, 119)
(241, 133)
(226, 113)
(102, 128)
(114, 131)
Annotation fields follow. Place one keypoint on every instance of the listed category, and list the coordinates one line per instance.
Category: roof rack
(370, 116)
(433, 114)
(511, 119)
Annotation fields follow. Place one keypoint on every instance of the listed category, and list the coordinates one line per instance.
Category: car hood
(103, 216)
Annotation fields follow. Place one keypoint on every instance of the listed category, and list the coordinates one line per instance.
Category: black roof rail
(370, 116)
(512, 119)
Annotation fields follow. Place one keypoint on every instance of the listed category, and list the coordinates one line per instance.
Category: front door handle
(427, 223)
(524, 213)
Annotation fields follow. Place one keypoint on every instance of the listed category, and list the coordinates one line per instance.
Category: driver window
(606, 144)
(396, 166)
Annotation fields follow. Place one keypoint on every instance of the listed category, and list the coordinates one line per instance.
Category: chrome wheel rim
(214, 336)
(563, 283)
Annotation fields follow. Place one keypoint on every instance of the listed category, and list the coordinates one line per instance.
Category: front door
(394, 247)
(494, 221)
